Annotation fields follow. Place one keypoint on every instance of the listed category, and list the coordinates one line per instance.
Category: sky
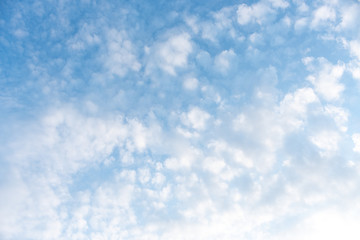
(179, 120)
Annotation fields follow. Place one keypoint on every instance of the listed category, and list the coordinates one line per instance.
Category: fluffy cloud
(224, 60)
(120, 56)
(326, 141)
(171, 53)
(356, 140)
(326, 78)
(196, 118)
(190, 83)
(323, 15)
(258, 12)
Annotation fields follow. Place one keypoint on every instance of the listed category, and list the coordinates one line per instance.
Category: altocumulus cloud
(179, 120)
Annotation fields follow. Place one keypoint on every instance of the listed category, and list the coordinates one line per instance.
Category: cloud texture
(179, 120)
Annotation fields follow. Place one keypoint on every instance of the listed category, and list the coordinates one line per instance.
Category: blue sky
(179, 119)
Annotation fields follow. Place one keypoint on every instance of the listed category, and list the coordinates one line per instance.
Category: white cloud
(301, 24)
(183, 158)
(356, 140)
(221, 24)
(196, 118)
(224, 60)
(301, 6)
(349, 17)
(259, 12)
(191, 83)
(279, 3)
(327, 141)
(214, 165)
(222, 150)
(339, 115)
(256, 38)
(355, 48)
(323, 16)
(172, 53)
(326, 79)
(144, 175)
(268, 125)
(328, 223)
(67, 142)
(294, 106)
(86, 37)
(354, 68)
(110, 212)
(21, 33)
(120, 55)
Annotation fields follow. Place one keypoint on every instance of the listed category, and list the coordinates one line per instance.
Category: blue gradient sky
(179, 119)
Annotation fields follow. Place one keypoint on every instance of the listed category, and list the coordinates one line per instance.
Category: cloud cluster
(134, 121)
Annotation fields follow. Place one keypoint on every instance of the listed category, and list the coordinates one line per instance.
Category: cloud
(293, 108)
(349, 17)
(326, 141)
(326, 78)
(85, 37)
(171, 53)
(323, 16)
(224, 60)
(356, 140)
(120, 55)
(339, 115)
(191, 83)
(326, 224)
(258, 12)
(196, 118)
(279, 3)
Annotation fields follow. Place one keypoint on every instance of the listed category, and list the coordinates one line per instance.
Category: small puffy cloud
(327, 141)
(339, 115)
(244, 14)
(326, 78)
(356, 139)
(184, 159)
(120, 55)
(301, 6)
(294, 106)
(354, 46)
(158, 179)
(171, 54)
(354, 68)
(301, 24)
(139, 135)
(258, 12)
(256, 38)
(279, 3)
(214, 165)
(190, 83)
(221, 24)
(224, 60)
(196, 118)
(224, 151)
(349, 17)
(322, 16)
(20, 33)
(144, 175)
(86, 37)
